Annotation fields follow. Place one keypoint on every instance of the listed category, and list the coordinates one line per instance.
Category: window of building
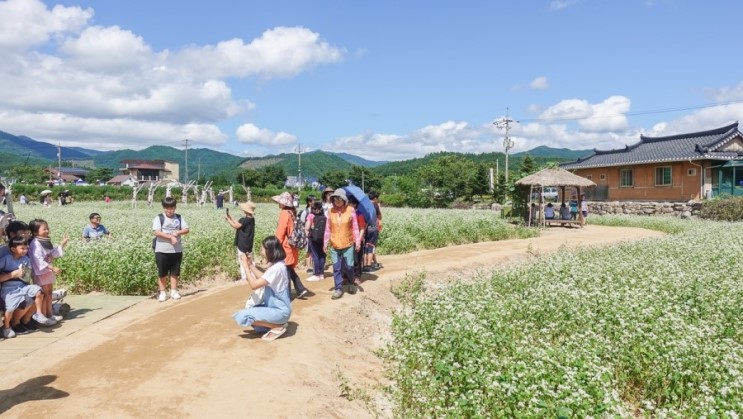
(589, 177)
(602, 176)
(663, 176)
(691, 172)
(626, 178)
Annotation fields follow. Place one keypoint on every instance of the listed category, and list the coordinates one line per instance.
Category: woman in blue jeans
(272, 315)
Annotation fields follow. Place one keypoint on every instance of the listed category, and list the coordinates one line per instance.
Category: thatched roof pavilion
(555, 177)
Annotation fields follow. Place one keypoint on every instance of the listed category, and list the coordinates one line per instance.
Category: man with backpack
(168, 228)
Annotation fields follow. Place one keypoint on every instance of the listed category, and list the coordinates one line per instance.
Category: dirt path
(189, 359)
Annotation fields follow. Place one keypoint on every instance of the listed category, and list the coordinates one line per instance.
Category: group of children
(27, 277)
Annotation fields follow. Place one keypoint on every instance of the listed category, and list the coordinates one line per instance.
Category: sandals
(274, 333)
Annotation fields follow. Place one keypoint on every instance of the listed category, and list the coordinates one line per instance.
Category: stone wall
(675, 209)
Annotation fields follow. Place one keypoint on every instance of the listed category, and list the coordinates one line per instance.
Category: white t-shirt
(277, 277)
(170, 226)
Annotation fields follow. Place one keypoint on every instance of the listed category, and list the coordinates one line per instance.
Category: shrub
(726, 208)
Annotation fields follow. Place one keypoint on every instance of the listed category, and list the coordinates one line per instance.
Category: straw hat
(248, 207)
(284, 199)
(340, 193)
(327, 190)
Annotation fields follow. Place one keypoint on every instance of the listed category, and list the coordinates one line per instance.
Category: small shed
(554, 177)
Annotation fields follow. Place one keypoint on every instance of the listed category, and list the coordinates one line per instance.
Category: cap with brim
(284, 199)
(248, 207)
(340, 193)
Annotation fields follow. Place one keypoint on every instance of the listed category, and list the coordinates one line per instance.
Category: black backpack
(317, 232)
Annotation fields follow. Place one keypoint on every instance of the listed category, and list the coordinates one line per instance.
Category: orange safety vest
(341, 227)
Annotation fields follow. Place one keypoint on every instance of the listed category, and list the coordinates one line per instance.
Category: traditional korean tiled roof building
(673, 168)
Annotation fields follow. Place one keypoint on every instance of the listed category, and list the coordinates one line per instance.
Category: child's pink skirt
(45, 279)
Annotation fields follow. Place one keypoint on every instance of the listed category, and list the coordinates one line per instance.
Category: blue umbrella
(365, 204)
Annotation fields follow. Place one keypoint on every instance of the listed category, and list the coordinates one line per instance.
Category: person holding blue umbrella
(342, 239)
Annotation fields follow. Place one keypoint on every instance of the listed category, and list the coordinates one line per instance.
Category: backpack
(162, 221)
(298, 237)
(317, 232)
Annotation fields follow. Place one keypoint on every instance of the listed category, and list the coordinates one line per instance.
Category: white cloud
(279, 53)
(562, 4)
(539, 83)
(605, 116)
(59, 68)
(29, 22)
(251, 134)
(727, 94)
(108, 134)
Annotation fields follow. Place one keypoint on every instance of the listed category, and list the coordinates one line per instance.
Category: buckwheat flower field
(653, 328)
(125, 265)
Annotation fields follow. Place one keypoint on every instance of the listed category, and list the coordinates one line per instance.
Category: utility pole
(299, 161)
(59, 163)
(198, 173)
(505, 123)
(186, 170)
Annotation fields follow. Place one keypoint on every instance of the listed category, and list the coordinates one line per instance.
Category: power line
(638, 113)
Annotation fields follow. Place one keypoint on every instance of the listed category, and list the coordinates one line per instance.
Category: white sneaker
(42, 320)
(58, 294)
(51, 321)
(315, 278)
(162, 296)
(8, 333)
(174, 295)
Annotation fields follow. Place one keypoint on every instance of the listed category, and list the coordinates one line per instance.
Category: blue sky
(382, 80)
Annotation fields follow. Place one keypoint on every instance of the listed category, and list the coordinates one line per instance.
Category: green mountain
(314, 163)
(560, 153)
(24, 146)
(205, 163)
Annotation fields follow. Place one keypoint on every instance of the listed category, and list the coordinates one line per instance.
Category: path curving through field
(189, 359)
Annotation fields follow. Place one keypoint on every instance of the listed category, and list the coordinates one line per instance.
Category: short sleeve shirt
(245, 235)
(93, 233)
(9, 264)
(170, 226)
(277, 277)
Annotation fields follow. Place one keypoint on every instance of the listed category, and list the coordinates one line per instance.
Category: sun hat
(326, 190)
(284, 199)
(340, 193)
(248, 207)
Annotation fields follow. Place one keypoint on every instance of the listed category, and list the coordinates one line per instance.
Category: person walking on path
(271, 316)
(169, 228)
(284, 230)
(342, 239)
(244, 233)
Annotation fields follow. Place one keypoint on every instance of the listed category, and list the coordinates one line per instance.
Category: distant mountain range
(204, 163)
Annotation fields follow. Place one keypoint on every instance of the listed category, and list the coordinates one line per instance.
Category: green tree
(273, 175)
(28, 174)
(99, 174)
(365, 178)
(252, 178)
(334, 178)
(481, 182)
